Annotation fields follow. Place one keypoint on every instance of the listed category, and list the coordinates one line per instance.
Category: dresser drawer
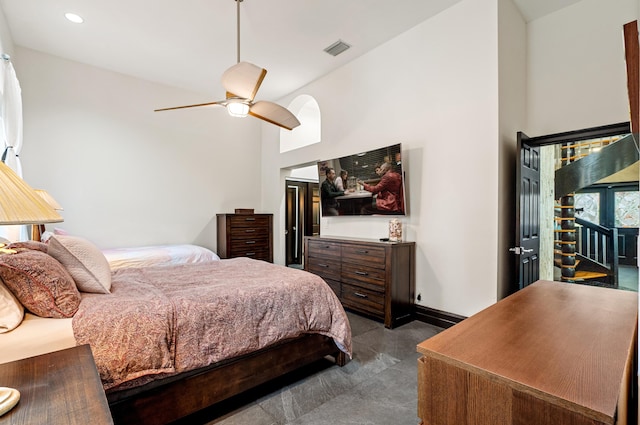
(239, 221)
(242, 245)
(365, 276)
(324, 250)
(325, 268)
(372, 256)
(256, 254)
(249, 232)
(336, 286)
(362, 299)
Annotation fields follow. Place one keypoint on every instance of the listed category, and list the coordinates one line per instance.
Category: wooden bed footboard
(164, 402)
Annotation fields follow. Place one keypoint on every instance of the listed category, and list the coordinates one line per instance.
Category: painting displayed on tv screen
(366, 183)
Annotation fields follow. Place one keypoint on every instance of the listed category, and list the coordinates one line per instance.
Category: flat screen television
(363, 184)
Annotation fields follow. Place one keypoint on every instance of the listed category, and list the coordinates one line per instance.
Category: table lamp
(38, 229)
(19, 204)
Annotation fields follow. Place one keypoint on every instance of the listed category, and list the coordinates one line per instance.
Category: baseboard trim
(442, 319)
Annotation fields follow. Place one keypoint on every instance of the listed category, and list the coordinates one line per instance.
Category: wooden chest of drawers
(552, 353)
(245, 235)
(370, 277)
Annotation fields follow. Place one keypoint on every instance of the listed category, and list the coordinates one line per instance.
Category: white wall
(512, 69)
(576, 75)
(124, 174)
(435, 90)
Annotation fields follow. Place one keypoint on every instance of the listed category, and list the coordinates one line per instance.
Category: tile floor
(377, 387)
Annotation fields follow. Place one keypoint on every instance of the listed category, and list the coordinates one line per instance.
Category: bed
(156, 255)
(148, 255)
(204, 331)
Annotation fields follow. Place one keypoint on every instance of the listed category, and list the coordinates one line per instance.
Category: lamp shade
(49, 199)
(20, 204)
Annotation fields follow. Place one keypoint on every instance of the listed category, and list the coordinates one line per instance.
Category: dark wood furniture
(552, 353)
(62, 388)
(245, 235)
(164, 401)
(371, 277)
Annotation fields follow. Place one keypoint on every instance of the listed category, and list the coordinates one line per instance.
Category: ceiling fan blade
(243, 80)
(274, 113)
(189, 106)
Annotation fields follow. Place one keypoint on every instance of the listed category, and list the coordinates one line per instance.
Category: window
(587, 206)
(626, 208)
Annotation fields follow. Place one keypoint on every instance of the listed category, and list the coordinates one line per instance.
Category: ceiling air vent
(336, 48)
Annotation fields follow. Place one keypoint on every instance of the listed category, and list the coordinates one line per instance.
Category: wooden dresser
(245, 235)
(371, 277)
(553, 353)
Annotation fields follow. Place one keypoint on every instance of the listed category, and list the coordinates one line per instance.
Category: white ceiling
(189, 43)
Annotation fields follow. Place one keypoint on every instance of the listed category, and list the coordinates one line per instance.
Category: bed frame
(161, 402)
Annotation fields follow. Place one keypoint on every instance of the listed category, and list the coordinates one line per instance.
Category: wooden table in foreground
(553, 353)
(59, 388)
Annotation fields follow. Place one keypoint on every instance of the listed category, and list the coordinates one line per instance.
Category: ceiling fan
(241, 83)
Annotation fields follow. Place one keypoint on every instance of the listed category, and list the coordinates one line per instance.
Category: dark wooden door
(527, 244)
(295, 221)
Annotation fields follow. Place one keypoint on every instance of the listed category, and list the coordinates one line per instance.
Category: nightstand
(59, 388)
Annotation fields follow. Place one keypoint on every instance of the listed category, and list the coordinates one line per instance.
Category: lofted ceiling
(188, 44)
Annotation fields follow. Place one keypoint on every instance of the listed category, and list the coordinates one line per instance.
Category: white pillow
(11, 311)
(84, 262)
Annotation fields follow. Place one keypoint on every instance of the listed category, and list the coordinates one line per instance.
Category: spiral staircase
(586, 252)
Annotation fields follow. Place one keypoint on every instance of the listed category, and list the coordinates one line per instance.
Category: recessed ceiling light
(76, 19)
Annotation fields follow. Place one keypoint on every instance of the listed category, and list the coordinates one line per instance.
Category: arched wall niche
(307, 110)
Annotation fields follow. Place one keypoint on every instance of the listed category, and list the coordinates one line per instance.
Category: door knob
(520, 250)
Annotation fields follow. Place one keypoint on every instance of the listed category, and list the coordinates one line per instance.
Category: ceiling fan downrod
(238, 28)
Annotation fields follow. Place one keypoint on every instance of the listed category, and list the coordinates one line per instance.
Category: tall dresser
(245, 235)
(371, 277)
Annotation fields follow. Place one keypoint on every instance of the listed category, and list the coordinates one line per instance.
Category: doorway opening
(582, 218)
(302, 213)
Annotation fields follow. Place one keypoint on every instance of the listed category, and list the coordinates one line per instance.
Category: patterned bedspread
(170, 319)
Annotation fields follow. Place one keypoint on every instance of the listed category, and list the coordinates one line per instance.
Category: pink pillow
(40, 283)
(84, 261)
(33, 245)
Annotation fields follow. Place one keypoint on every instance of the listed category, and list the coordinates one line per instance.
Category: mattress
(35, 336)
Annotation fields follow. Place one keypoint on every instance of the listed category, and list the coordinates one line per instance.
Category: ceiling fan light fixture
(238, 109)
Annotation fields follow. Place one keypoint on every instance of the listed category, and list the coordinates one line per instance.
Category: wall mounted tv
(362, 184)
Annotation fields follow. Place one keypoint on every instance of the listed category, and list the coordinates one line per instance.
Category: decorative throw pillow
(11, 311)
(33, 245)
(41, 283)
(84, 261)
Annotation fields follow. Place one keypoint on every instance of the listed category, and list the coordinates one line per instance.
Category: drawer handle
(362, 251)
(250, 230)
(323, 265)
(250, 219)
(360, 295)
(250, 242)
(250, 254)
(362, 273)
